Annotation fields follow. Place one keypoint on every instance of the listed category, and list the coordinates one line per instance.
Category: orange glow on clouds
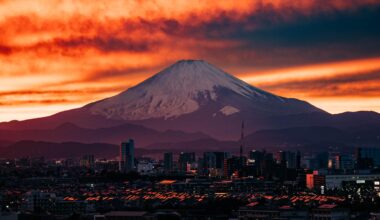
(313, 71)
(56, 55)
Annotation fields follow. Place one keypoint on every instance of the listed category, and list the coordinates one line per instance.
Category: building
(368, 157)
(344, 162)
(37, 201)
(315, 180)
(49, 203)
(127, 156)
(233, 166)
(186, 159)
(331, 181)
(110, 165)
(145, 166)
(123, 215)
(254, 163)
(209, 159)
(329, 211)
(288, 159)
(315, 161)
(88, 161)
(168, 162)
(336, 181)
(212, 163)
(220, 157)
(9, 216)
(255, 211)
(259, 213)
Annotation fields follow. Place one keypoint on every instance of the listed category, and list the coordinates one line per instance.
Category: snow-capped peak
(193, 76)
(175, 91)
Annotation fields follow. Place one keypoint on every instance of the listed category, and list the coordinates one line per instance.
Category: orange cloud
(82, 51)
(313, 71)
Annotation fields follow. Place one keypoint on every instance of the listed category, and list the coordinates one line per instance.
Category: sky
(58, 55)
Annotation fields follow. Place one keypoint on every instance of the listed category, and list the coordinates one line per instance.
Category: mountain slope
(186, 87)
(193, 95)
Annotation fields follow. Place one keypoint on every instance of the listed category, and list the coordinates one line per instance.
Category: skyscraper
(287, 159)
(209, 160)
(185, 159)
(220, 157)
(368, 157)
(168, 162)
(88, 161)
(232, 166)
(127, 156)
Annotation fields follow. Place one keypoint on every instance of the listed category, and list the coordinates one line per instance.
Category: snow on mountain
(177, 90)
(229, 110)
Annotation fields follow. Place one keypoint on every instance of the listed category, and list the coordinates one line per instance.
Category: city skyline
(60, 55)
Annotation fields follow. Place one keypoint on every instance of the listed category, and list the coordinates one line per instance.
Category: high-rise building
(88, 161)
(233, 166)
(366, 156)
(298, 160)
(267, 166)
(220, 157)
(287, 159)
(256, 156)
(212, 163)
(344, 162)
(168, 162)
(209, 159)
(315, 180)
(255, 161)
(127, 156)
(145, 165)
(185, 160)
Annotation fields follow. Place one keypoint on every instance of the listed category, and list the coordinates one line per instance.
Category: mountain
(58, 150)
(198, 146)
(54, 150)
(193, 95)
(187, 87)
(190, 96)
(346, 120)
(298, 136)
(114, 135)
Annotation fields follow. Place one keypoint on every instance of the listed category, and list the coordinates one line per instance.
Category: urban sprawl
(213, 185)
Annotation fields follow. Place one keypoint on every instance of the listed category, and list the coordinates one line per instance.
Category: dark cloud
(110, 73)
(72, 46)
(265, 37)
(107, 43)
(5, 50)
(286, 37)
(62, 92)
(358, 84)
(35, 102)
